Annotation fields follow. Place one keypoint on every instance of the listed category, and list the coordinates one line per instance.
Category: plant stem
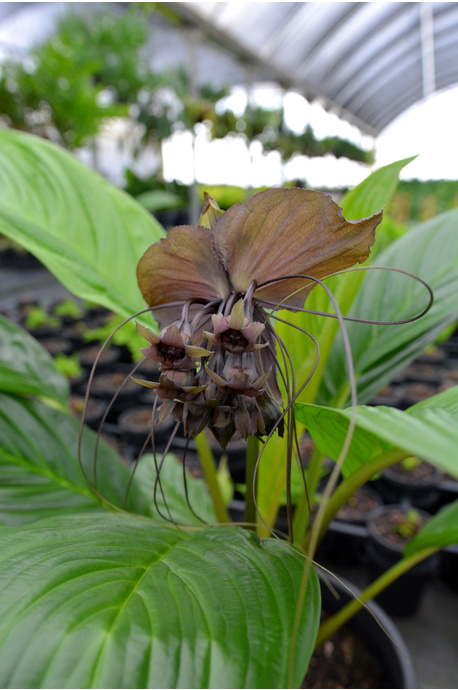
(252, 452)
(297, 621)
(348, 487)
(338, 619)
(302, 512)
(208, 467)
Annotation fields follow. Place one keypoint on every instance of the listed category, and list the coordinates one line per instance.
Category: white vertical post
(192, 39)
(427, 48)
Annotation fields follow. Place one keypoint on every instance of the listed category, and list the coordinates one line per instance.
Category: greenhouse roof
(366, 61)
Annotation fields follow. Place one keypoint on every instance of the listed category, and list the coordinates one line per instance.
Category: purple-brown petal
(280, 232)
(183, 266)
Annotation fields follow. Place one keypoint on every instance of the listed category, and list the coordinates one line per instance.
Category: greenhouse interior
(243, 474)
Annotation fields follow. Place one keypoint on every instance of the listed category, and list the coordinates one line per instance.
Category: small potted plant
(412, 479)
(391, 528)
(41, 324)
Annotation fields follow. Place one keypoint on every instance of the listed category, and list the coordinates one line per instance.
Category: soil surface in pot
(107, 358)
(343, 661)
(422, 472)
(95, 408)
(424, 373)
(359, 505)
(397, 526)
(138, 420)
(411, 393)
(106, 385)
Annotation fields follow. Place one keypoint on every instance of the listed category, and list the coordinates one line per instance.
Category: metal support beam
(427, 48)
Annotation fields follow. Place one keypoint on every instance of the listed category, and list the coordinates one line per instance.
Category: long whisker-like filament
(351, 375)
(158, 472)
(92, 486)
(291, 401)
(350, 318)
(150, 437)
(185, 484)
(104, 418)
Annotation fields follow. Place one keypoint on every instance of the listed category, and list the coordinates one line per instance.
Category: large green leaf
(364, 200)
(88, 233)
(374, 192)
(40, 474)
(429, 251)
(26, 368)
(104, 601)
(441, 530)
(429, 430)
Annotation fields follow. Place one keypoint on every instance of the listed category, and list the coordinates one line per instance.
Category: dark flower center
(234, 341)
(171, 353)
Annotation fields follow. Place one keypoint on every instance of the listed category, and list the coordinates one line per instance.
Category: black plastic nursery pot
(74, 332)
(107, 360)
(411, 393)
(392, 664)
(19, 259)
(94, 413)
(107, 385)
(448, 566)
(135, 424)
(422, 372)
(57, 346)
(403, 597)
(344, 543)
(448, 491)
(419, 485)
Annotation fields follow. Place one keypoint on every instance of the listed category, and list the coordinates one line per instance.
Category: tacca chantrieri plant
(208, 287)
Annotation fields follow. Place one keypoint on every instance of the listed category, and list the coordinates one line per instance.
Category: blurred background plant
(94, 69)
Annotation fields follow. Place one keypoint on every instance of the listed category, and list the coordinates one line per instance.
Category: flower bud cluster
(224, 386)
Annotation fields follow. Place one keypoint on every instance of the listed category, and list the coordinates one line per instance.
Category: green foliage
(116, 602)
(112, 43)
(428, 429)
(37, 316)
(26, 368)
(91, 599)
(409, 524)
(155, 195)
(71, 83)
(126, 336)
(419, 200)
(42, 476)
(68, 365)
(155, 580)
(68, 307)
(91, 253)
(440, 531)
(269, 128)
(430, 251)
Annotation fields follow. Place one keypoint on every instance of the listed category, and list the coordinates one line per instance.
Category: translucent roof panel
(365, 61)
(368, 61)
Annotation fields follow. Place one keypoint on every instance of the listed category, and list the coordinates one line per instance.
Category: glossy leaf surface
(117, 602)
(41, 475)
(364, 200)
(26, 368)
(88, 233)
(286, 231)
(429, 431)
(441, 530)
(429, 251)
(374, 192)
